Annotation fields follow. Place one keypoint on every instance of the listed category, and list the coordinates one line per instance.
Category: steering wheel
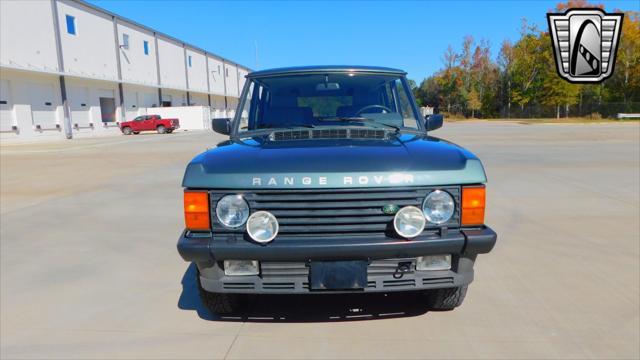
(373, 107)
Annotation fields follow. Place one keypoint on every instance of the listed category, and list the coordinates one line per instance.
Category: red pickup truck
(149, 123)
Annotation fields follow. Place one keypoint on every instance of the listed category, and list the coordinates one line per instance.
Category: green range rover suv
(330, 183)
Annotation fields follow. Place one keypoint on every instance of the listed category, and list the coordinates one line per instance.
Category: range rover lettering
(329, 183)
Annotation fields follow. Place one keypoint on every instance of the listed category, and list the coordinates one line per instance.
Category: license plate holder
(338, 275)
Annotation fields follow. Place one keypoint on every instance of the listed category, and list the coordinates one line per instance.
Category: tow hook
(403, 267)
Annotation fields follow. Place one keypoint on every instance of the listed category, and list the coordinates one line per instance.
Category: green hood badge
(390, 209)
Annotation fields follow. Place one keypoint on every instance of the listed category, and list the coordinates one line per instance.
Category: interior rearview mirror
(328, 87)
(434, 121)
(221, 125)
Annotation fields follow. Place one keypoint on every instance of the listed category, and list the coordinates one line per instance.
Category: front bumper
(201, 247)
(291, 252)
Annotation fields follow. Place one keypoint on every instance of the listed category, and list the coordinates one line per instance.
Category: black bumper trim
(194, 248)
(300, 285)
(206, 248)
(479, 241)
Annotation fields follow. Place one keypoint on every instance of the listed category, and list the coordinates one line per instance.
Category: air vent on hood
(290, 135)
(334, 133)
(368, 134)
(330, 134)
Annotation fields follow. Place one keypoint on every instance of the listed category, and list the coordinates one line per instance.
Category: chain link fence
(538, 111)
(593, 111)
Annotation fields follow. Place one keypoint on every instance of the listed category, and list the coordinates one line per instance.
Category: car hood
(407, 160)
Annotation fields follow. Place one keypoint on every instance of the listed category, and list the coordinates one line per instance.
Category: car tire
(219, 303)
(446, 299)
(127, 130)
(161, 129)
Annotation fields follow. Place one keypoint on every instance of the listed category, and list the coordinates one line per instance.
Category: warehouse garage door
(79, 104)
(166, 100)
(107, 106)
(43, 103)
(150, 100)
(6, 107)
(131, 104)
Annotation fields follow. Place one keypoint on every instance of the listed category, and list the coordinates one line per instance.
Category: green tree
(528, 64)
(472, 83)
(505, 63)
(624, 85)
(485, 80)
(429, 92)
(449, 80)
(473, 102)
(555, 90)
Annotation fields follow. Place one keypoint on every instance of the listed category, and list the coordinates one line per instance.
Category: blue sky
(407, 35)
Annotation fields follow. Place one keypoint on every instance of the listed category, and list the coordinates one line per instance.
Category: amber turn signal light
(196, 210)
(473, 202)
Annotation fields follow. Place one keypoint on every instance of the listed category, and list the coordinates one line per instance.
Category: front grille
(382, 274)
(239, 285)
(329, 212)
(399, 282)
(273, 269)
(289, 269)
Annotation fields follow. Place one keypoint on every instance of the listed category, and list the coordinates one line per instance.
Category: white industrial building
(69, 68)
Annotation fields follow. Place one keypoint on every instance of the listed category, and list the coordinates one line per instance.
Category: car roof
(325, 69)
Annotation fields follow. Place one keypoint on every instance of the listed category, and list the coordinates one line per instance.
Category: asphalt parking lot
(89, 267)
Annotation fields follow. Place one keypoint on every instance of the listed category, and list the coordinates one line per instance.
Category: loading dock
(43, 101)
(81, 72)
(108, 109)
(6, 107)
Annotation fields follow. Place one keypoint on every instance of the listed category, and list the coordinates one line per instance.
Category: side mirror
(221, 125)
(434, 121)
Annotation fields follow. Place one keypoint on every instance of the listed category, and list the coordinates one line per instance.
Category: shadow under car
(306, 307)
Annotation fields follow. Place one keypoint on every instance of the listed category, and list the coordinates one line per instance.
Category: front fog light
(434, 262)
(262, 226)
(241, 267)
(409, 222)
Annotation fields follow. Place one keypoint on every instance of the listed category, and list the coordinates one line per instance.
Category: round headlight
(438, 207)
(232, 211)
(262, 226)
(409, 222)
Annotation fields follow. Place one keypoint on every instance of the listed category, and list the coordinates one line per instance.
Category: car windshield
(335, 99)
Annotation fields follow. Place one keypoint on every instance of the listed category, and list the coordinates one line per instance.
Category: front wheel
(446, 299)
(162, 129)
(127, 131)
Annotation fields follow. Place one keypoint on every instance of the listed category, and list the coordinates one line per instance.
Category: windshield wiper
(287, 127)
(268, 130)
(361, 120)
